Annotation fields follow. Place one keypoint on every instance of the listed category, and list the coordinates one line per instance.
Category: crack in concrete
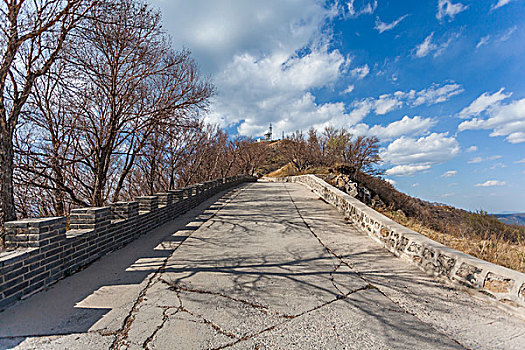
(343, 261)
(165, 318)
(332, 278)
(179, 287)
(122, 333)
(337, 335)
(328, 249)
(213, 325)
(292, 317)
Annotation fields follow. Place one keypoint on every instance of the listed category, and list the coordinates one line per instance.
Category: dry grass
(290, 170)
(287, 170)
(497, 251)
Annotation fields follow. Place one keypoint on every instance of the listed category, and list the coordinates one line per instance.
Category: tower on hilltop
(268, 135)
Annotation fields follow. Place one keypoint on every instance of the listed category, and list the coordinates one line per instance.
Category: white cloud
(415, 185)
(367, 9)
(360, 72)
(506, 36)
(389, 102)
(504, 120)
(427, 47)
(407, 170)
(498, 165)
(450, 173)
(385, 104)
(437, 94)
(500, 3)
(476, 160)
(501, 38)
(491, 183)
(472, 149)
(219, 32)
(349, 89)
(520, 161)
(483, 41)
(447, 8)
(406, 126)
(446, 195)
(482, 103)
(260, 78)
(275, 89)
(413, 155)
(383, 27)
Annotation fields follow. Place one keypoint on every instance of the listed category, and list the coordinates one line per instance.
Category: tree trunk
(7, 199)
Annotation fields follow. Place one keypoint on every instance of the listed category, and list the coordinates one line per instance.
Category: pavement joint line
(121, 334)
(362, 277)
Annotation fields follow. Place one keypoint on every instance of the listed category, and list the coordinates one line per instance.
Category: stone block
(165, 199)
(148, 203)
(445, 264)
(177, 194)
(124, 210)
(90, 218)
(29, 233)
(498, 284)
(414, 248)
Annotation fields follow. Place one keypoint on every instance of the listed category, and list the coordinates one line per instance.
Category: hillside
(273, 158)
(513, 219)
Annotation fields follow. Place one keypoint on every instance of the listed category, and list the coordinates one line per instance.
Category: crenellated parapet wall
(503, 284)
(41, 251)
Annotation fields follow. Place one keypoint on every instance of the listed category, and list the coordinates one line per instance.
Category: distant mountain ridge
(513, 219)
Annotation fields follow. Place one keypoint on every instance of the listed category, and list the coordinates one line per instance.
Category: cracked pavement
(265, 266)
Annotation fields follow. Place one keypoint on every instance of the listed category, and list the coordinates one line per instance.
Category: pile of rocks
(346, 184)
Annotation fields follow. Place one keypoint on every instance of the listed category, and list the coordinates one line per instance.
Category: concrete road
(266, 266)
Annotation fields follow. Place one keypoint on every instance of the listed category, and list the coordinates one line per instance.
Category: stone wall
(41, 251)
(503, 284)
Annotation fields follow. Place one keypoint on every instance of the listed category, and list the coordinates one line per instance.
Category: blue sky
(441, 83)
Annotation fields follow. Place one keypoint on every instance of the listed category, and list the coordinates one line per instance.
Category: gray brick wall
(40, 251)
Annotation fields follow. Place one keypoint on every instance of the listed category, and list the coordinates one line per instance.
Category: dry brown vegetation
(496, 249)
(475, 233)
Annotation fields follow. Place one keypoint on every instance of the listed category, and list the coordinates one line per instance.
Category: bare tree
(132, 82)
(31, 39)
(297, 151)
(362, 154)
(47, 144)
